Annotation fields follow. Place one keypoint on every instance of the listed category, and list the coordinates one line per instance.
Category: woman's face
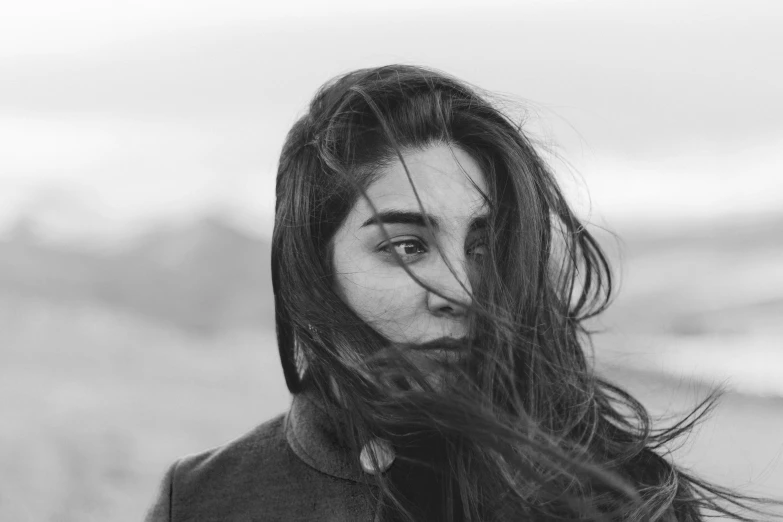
(368, 277)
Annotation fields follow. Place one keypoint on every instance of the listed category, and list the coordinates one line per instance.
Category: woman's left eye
(478, 250)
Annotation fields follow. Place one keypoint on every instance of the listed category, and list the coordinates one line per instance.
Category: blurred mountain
(205, 276)
(722, 278)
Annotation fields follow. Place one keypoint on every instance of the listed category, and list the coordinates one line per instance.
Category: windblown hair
(524, 430)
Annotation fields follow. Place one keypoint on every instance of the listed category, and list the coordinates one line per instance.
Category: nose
(456, 286)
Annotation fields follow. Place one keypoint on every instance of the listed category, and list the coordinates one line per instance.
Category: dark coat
(289, 469)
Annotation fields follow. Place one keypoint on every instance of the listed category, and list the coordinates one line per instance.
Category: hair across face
(361, 132)
(368, 277)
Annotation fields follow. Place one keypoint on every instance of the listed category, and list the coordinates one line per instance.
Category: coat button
(384, 456)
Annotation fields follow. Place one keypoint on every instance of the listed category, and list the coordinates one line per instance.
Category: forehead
(448, 181)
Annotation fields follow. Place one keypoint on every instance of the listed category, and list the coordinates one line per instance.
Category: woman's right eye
(406, 249)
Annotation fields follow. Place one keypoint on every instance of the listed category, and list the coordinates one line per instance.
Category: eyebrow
(403, 217)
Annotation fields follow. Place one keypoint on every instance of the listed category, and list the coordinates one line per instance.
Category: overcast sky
(112, 113)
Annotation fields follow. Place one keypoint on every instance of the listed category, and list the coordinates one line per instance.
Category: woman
(431, 287)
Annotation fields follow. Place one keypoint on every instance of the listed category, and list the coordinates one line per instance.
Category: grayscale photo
(420, 261)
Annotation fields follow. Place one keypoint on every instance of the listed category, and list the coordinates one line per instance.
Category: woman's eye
(406, 248)
(478, 250)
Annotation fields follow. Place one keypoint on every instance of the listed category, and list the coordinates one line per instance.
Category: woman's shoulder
(215, 483)
(258, 476)
(259, 448)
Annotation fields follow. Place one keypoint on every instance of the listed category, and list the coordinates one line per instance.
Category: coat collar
(311, 434)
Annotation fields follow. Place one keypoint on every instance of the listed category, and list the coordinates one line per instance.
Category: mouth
(444, 349)
(445, 344)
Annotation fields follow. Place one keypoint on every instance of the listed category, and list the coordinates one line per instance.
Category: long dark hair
(524, 430)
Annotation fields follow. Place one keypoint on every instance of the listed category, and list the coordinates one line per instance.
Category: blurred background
(138, 149)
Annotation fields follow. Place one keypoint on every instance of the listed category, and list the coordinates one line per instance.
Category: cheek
(383, 298)
(375, 291)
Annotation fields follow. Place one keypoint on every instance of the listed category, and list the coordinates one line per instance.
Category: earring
(300, 362)
(377, 456)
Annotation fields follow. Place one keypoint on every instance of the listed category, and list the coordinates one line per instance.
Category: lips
(445, 344)
(446, 349)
